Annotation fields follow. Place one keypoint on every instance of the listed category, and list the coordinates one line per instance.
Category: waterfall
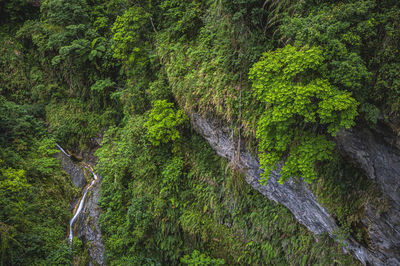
(79, 206)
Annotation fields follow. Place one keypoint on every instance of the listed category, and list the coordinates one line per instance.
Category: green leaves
(128, 32)
(163, 123)
(359, 46)
(182, 18)
(171, 174)
(78, 49)
(199, 259)
(101, 84)
(62, 12)
(300, 108)
(13, 180)
(31, 184)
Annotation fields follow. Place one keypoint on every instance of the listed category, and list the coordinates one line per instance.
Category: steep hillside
(235, 131)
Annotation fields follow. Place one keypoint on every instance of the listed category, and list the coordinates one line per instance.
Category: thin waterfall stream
(62, 150)
(79, 206)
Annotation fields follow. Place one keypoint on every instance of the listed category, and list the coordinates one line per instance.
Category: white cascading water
(80, 207)
(62, 150)
(82, 200)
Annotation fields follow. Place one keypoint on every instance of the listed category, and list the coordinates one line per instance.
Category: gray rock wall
(376, 154)
(88, 229)
(77, 174)
(379, 159)
(295, 195)
(87, 225)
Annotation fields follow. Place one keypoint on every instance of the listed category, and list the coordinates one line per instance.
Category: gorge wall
(299, 199)
(87, 225)
(374, 152)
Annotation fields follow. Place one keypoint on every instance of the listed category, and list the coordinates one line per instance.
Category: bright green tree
(164, 122)
(11, 179)
(301, 108)
(128, 40)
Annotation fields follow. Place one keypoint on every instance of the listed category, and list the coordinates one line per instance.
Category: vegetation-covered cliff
(302, 98)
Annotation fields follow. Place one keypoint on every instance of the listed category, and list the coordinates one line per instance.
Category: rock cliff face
(298, 198)
(375, 152)
(77, 174)
(88, 229)
(87, 225)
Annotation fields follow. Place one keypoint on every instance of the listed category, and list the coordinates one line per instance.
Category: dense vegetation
(286, 76)
(34, 192)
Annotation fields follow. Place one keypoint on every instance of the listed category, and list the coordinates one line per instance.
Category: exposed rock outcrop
(88, 229)
(87, 155)
(295, 195)
(87, 226)
(77, 174)
(376, 154)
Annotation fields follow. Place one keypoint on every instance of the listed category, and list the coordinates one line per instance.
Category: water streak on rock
(80, 204)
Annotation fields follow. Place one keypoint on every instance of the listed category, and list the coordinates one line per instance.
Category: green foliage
(128, 35)
(359, 45)
(171, 179)
(72, 52)
(164, 122)
(299, 106)
(334, 27)
(18, 124)
(100, 85)
(387, 61)
(161, 203)
(12, 179)
(182, 18)
(196, 259)
(14, 80)
(345, 192)
(61, 12)
(199, 74)
(41, 163)
(17, 11)
(60, 256)
(34, 192)
(73, 124)
(208, 73)
(371, 112)
(262, 17)
(118, 65)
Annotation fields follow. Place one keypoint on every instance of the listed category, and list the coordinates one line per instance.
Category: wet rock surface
(87, 155)
(299, 199)
(77, 174)
(88, 229)
(87, 225)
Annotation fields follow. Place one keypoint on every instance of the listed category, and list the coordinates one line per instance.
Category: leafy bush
(128, 36)
(32, 186)
(199, 259)
(164, 122)
(300, 107)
